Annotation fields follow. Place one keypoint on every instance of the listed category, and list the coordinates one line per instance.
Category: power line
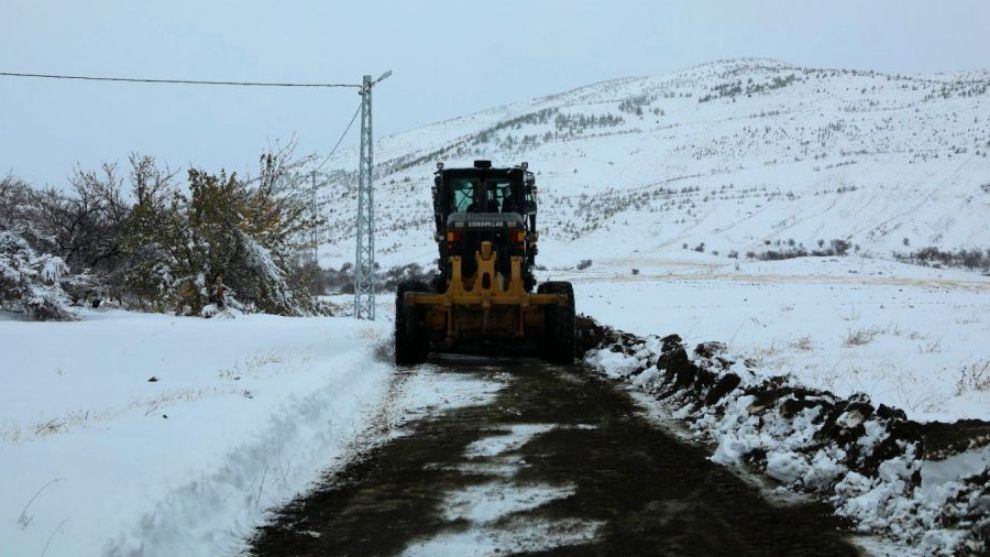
(206, 82)
(181, 81)
(342, 136)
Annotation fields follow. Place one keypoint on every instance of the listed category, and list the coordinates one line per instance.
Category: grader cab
(482, 298)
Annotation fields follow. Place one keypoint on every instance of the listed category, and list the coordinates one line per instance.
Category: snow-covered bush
(235, 245)
(229, 243)
(29, 283)
(224, 241)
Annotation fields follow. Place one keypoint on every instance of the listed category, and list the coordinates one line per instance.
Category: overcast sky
(449, 58)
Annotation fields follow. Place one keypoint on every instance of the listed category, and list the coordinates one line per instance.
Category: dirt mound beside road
(869, 461)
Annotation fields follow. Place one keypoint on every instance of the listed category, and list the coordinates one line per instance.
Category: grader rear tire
(412, 346)
(558, 335)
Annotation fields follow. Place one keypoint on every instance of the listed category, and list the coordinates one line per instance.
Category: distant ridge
(737, 154)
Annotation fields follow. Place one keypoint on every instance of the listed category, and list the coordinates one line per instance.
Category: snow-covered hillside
(734, 154)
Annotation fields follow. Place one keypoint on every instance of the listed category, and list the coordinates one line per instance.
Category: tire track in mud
(560, 463)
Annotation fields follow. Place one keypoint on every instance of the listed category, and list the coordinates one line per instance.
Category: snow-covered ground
(126, 433)
(907, 336)
(130, 434)
(245, 413)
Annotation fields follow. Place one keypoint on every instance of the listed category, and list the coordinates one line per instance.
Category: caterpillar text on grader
(482, 298)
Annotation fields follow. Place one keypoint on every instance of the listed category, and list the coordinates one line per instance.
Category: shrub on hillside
(836, 247)
(390, 279)
(341, 281)
(972, 259)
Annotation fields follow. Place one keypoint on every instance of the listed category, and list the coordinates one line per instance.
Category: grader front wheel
(411, 342)
(558, 335)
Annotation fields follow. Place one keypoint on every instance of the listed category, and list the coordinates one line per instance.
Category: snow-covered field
(98, 458)
(907, 336)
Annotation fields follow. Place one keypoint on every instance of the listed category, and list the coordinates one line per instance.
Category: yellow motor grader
(482, 298)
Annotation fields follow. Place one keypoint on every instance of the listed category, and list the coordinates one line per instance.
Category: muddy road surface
(558, 462)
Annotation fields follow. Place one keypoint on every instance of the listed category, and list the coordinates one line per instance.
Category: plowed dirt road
(560, 462)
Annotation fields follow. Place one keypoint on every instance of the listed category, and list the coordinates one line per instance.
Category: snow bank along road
(554, 461)
(137, 434)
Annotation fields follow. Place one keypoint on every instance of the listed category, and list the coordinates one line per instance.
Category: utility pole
(314, 214)
(364, 261)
